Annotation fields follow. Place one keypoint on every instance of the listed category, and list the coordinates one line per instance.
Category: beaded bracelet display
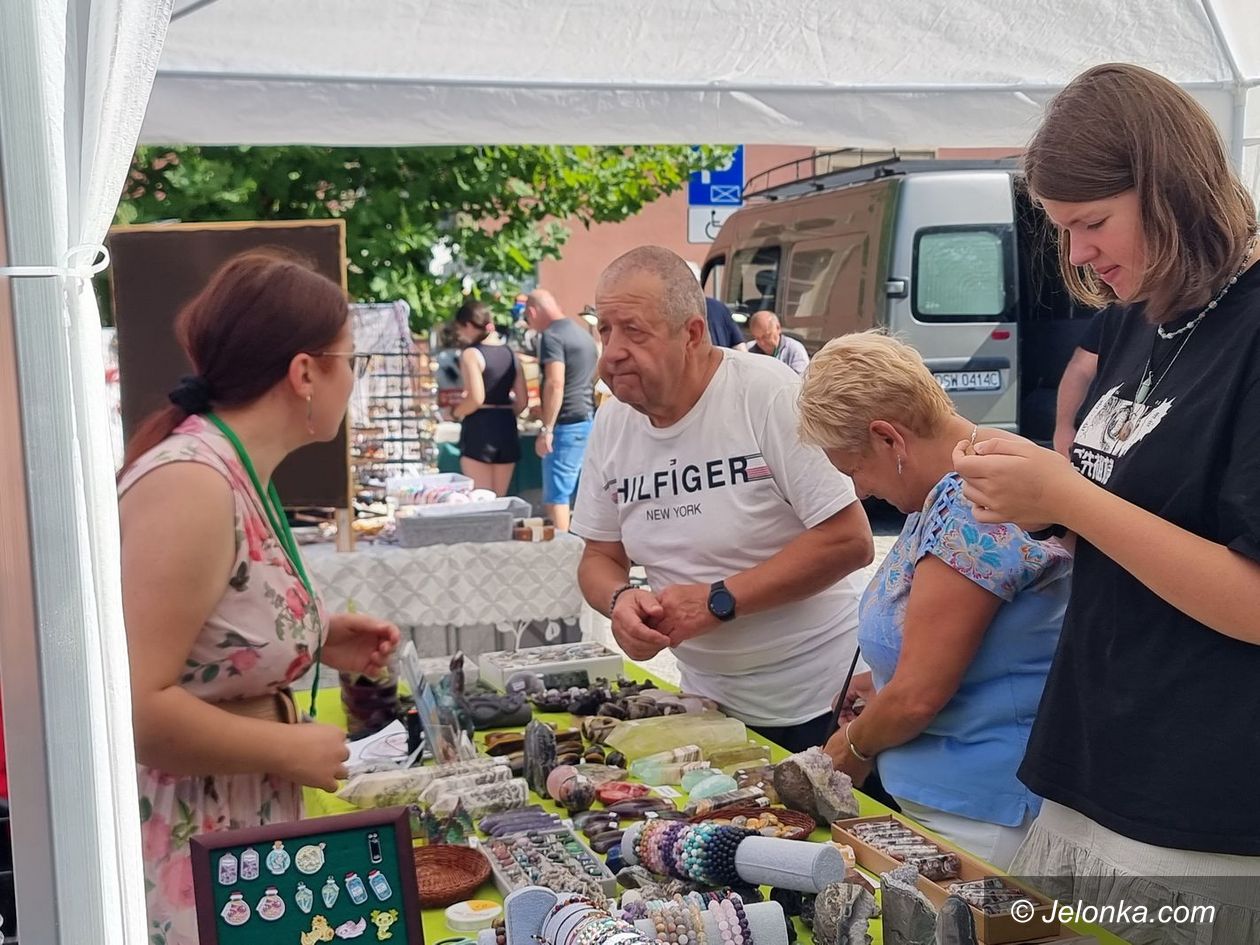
(681, 920)
(697, 919)
(662, 923)
(702, 853)
(734, 907)
(723, 923)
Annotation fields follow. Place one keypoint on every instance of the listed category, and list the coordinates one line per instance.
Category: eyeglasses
(359, 361)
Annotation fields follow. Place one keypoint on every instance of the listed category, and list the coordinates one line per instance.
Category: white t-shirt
(719, 492)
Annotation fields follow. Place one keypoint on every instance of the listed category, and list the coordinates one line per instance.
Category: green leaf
(146, 810)
(498, 203)
(210, 672)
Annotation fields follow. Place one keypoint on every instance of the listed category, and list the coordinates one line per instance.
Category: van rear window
(961, 274)
(754, 281)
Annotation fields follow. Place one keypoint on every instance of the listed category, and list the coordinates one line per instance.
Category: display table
(505, 586)
(319, 804)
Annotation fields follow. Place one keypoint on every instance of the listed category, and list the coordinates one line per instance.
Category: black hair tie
(192, 395)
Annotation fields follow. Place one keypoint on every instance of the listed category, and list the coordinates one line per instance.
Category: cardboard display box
(990, 929)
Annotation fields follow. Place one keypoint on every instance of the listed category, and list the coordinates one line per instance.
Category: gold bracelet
(865, 759)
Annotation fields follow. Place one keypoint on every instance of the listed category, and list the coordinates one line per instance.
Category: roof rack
(816, 180)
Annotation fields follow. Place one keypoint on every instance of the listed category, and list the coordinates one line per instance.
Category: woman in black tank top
(494, 395)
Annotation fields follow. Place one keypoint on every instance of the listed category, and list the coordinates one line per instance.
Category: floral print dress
(260, 638)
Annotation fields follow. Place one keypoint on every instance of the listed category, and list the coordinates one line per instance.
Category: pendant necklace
(1121, 423)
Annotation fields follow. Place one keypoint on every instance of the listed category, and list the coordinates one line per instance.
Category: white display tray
(596, 659)
(607, 880)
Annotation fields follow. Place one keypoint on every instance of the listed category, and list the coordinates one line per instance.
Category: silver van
(951, 256)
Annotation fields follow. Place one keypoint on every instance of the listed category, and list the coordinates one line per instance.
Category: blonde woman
(959, 624)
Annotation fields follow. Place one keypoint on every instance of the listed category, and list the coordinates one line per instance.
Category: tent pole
(1238, 140)
(65, 843)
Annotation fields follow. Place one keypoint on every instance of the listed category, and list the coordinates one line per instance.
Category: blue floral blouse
(964, 762)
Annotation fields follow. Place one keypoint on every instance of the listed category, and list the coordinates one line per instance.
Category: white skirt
(1213, 898)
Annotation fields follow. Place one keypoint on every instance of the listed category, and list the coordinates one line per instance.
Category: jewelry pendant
(1144, 389)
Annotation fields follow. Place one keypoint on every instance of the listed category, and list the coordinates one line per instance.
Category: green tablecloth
(319, 804)
(528, 472)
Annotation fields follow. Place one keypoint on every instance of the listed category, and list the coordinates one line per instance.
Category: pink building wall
(663, 223)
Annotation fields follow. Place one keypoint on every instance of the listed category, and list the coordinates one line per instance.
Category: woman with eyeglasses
(221, 615)
(494, 396)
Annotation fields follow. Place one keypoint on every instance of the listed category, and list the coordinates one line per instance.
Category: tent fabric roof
(859, 73)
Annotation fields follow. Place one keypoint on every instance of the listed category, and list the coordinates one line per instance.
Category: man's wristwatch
(721, 601)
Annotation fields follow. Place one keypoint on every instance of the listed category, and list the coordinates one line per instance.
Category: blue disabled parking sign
(720, 187)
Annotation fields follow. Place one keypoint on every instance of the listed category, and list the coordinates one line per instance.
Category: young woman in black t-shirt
(1146, 745)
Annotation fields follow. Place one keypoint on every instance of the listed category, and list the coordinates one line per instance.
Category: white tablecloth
(452, 585)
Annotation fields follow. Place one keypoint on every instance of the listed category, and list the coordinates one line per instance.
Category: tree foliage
(427, 225)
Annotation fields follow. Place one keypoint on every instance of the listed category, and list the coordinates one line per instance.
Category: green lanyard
(280, 527)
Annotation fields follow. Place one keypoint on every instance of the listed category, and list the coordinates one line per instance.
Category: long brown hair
(241, 332)
(1117, 127)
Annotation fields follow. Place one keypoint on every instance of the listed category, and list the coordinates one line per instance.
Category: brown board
(159, 267)
(306, 881)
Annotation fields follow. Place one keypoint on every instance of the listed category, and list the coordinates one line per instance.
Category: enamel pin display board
(331, 879)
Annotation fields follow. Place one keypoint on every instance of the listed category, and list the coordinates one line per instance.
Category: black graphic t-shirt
(1150, 721)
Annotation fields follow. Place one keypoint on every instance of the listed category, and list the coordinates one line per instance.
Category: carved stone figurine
(807, 782)
(842, 913)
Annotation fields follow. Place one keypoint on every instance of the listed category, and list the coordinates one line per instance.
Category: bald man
(768, 338)
(750, 539)
(568, 356)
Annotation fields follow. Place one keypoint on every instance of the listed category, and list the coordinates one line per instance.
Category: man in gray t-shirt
(568, 356)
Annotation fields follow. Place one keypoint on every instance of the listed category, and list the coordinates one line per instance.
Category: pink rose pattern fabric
(260, 638)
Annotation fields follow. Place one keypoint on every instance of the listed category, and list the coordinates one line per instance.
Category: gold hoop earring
(310, 416)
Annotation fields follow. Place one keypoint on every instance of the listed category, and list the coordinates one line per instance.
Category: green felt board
(345, 851)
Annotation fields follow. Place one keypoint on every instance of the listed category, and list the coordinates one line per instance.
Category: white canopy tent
(75, 77)
(872, 73)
